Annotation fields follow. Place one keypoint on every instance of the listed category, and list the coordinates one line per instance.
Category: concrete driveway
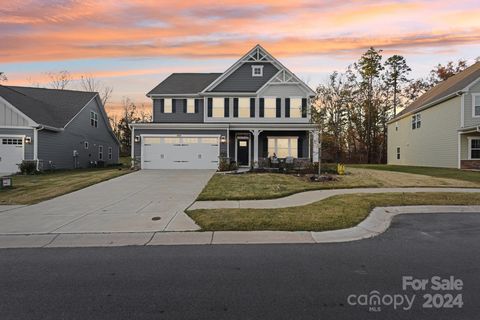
(149, 200)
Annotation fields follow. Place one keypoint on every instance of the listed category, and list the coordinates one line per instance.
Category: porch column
(255, 134)
(316, 146)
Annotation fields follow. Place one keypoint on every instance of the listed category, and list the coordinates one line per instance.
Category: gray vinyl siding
(55, 149)
(10, 117)
(28, 155)
(469, 120)
(179, 115)
(241, 80)
(138, 132)
(283, 90)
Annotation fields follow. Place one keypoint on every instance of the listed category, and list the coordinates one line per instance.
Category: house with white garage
(256, 109)
(57, 129)
(442, 127)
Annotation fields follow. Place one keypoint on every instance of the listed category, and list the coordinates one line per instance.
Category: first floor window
(270, 108)
(110, 153)
(86, 144)
(416, 121)
(283, 147)
(100, 152)
(93, 119)
(398, 153)
(475, 148)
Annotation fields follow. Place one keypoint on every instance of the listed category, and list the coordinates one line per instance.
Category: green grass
(276, 185)
(337, 212)
(472, 176)
(30, 189)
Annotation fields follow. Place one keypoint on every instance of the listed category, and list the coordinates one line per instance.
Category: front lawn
(30, 189)
(337, 212)
(276, 185)
(465, 175)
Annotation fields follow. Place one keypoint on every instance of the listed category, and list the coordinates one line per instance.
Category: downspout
(35, 144)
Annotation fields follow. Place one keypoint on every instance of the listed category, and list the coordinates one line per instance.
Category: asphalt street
(309, 281)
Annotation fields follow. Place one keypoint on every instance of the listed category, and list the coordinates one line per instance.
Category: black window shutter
(252, 107)
(279, 107)
(162, 104)
(184, 105)
(174, 102)
(304, 108)
(287, 108)
(197, 101)
(262, 108)
(209, 111)
(235, 107)
(226, 107)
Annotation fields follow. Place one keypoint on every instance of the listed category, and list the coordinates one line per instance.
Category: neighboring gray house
(442, 127)
(254, 110)
(60, 129)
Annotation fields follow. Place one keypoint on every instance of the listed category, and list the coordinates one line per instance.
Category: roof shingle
(184, 83)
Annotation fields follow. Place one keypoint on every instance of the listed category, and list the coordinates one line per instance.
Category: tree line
(352, 108)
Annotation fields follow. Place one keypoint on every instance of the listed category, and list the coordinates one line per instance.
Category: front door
(243, 152)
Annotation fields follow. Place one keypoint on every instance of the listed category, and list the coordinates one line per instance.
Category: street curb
(377, 222)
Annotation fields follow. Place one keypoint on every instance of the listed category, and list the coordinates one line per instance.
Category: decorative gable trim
(285, 76)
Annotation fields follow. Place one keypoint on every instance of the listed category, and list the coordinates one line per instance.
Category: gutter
(428, 105)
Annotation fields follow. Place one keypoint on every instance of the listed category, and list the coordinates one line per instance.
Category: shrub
(224, 164)
(28, 167)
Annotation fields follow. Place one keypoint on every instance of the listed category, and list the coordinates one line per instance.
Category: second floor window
(218, 107)
(242, 108)
(295, 107)
(476, 105)
(416, 121)
(190, 105)
(93, 119)
(270, 107)
(167, 106)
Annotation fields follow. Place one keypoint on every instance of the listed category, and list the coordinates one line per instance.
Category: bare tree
(89, 83)
(59, 80)
(3, 77)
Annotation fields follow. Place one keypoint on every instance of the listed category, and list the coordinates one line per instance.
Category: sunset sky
(133, 45)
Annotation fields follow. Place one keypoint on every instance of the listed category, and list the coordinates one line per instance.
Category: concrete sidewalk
(307, 197)
(376, 223)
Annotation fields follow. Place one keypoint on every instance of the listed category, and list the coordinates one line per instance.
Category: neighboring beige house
(442, 127)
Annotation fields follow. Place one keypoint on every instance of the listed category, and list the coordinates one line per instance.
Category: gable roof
(184, 83)
(444, 89)
(49, 107)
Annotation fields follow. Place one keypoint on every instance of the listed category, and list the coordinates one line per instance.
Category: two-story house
(254, 110)
(56, 129)
(442, 127)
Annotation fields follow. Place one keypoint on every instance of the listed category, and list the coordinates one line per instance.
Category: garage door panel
(11, 154)
(180, 152)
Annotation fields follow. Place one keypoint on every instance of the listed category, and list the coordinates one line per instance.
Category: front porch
(269, 147)
(469, 150)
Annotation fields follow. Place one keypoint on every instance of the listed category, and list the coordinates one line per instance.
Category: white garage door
(180, 152)
(11, 154)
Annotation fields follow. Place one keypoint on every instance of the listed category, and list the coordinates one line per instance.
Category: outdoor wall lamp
(28, 140)
(223, 139)
(137, 138)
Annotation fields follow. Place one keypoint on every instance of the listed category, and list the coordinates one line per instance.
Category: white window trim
(100, 152)
(289, 144)
(86, 145)
(94, 118)
(110, 153)
(165, 104)
(265, 108)
(470, 147)
(474, 95)
(415, 116)
(191, 103)
(301, 101)
(248, 107)
(398, 153)
(254, 67)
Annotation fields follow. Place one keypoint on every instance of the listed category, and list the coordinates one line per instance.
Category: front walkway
(143, 201)
(307, 197)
